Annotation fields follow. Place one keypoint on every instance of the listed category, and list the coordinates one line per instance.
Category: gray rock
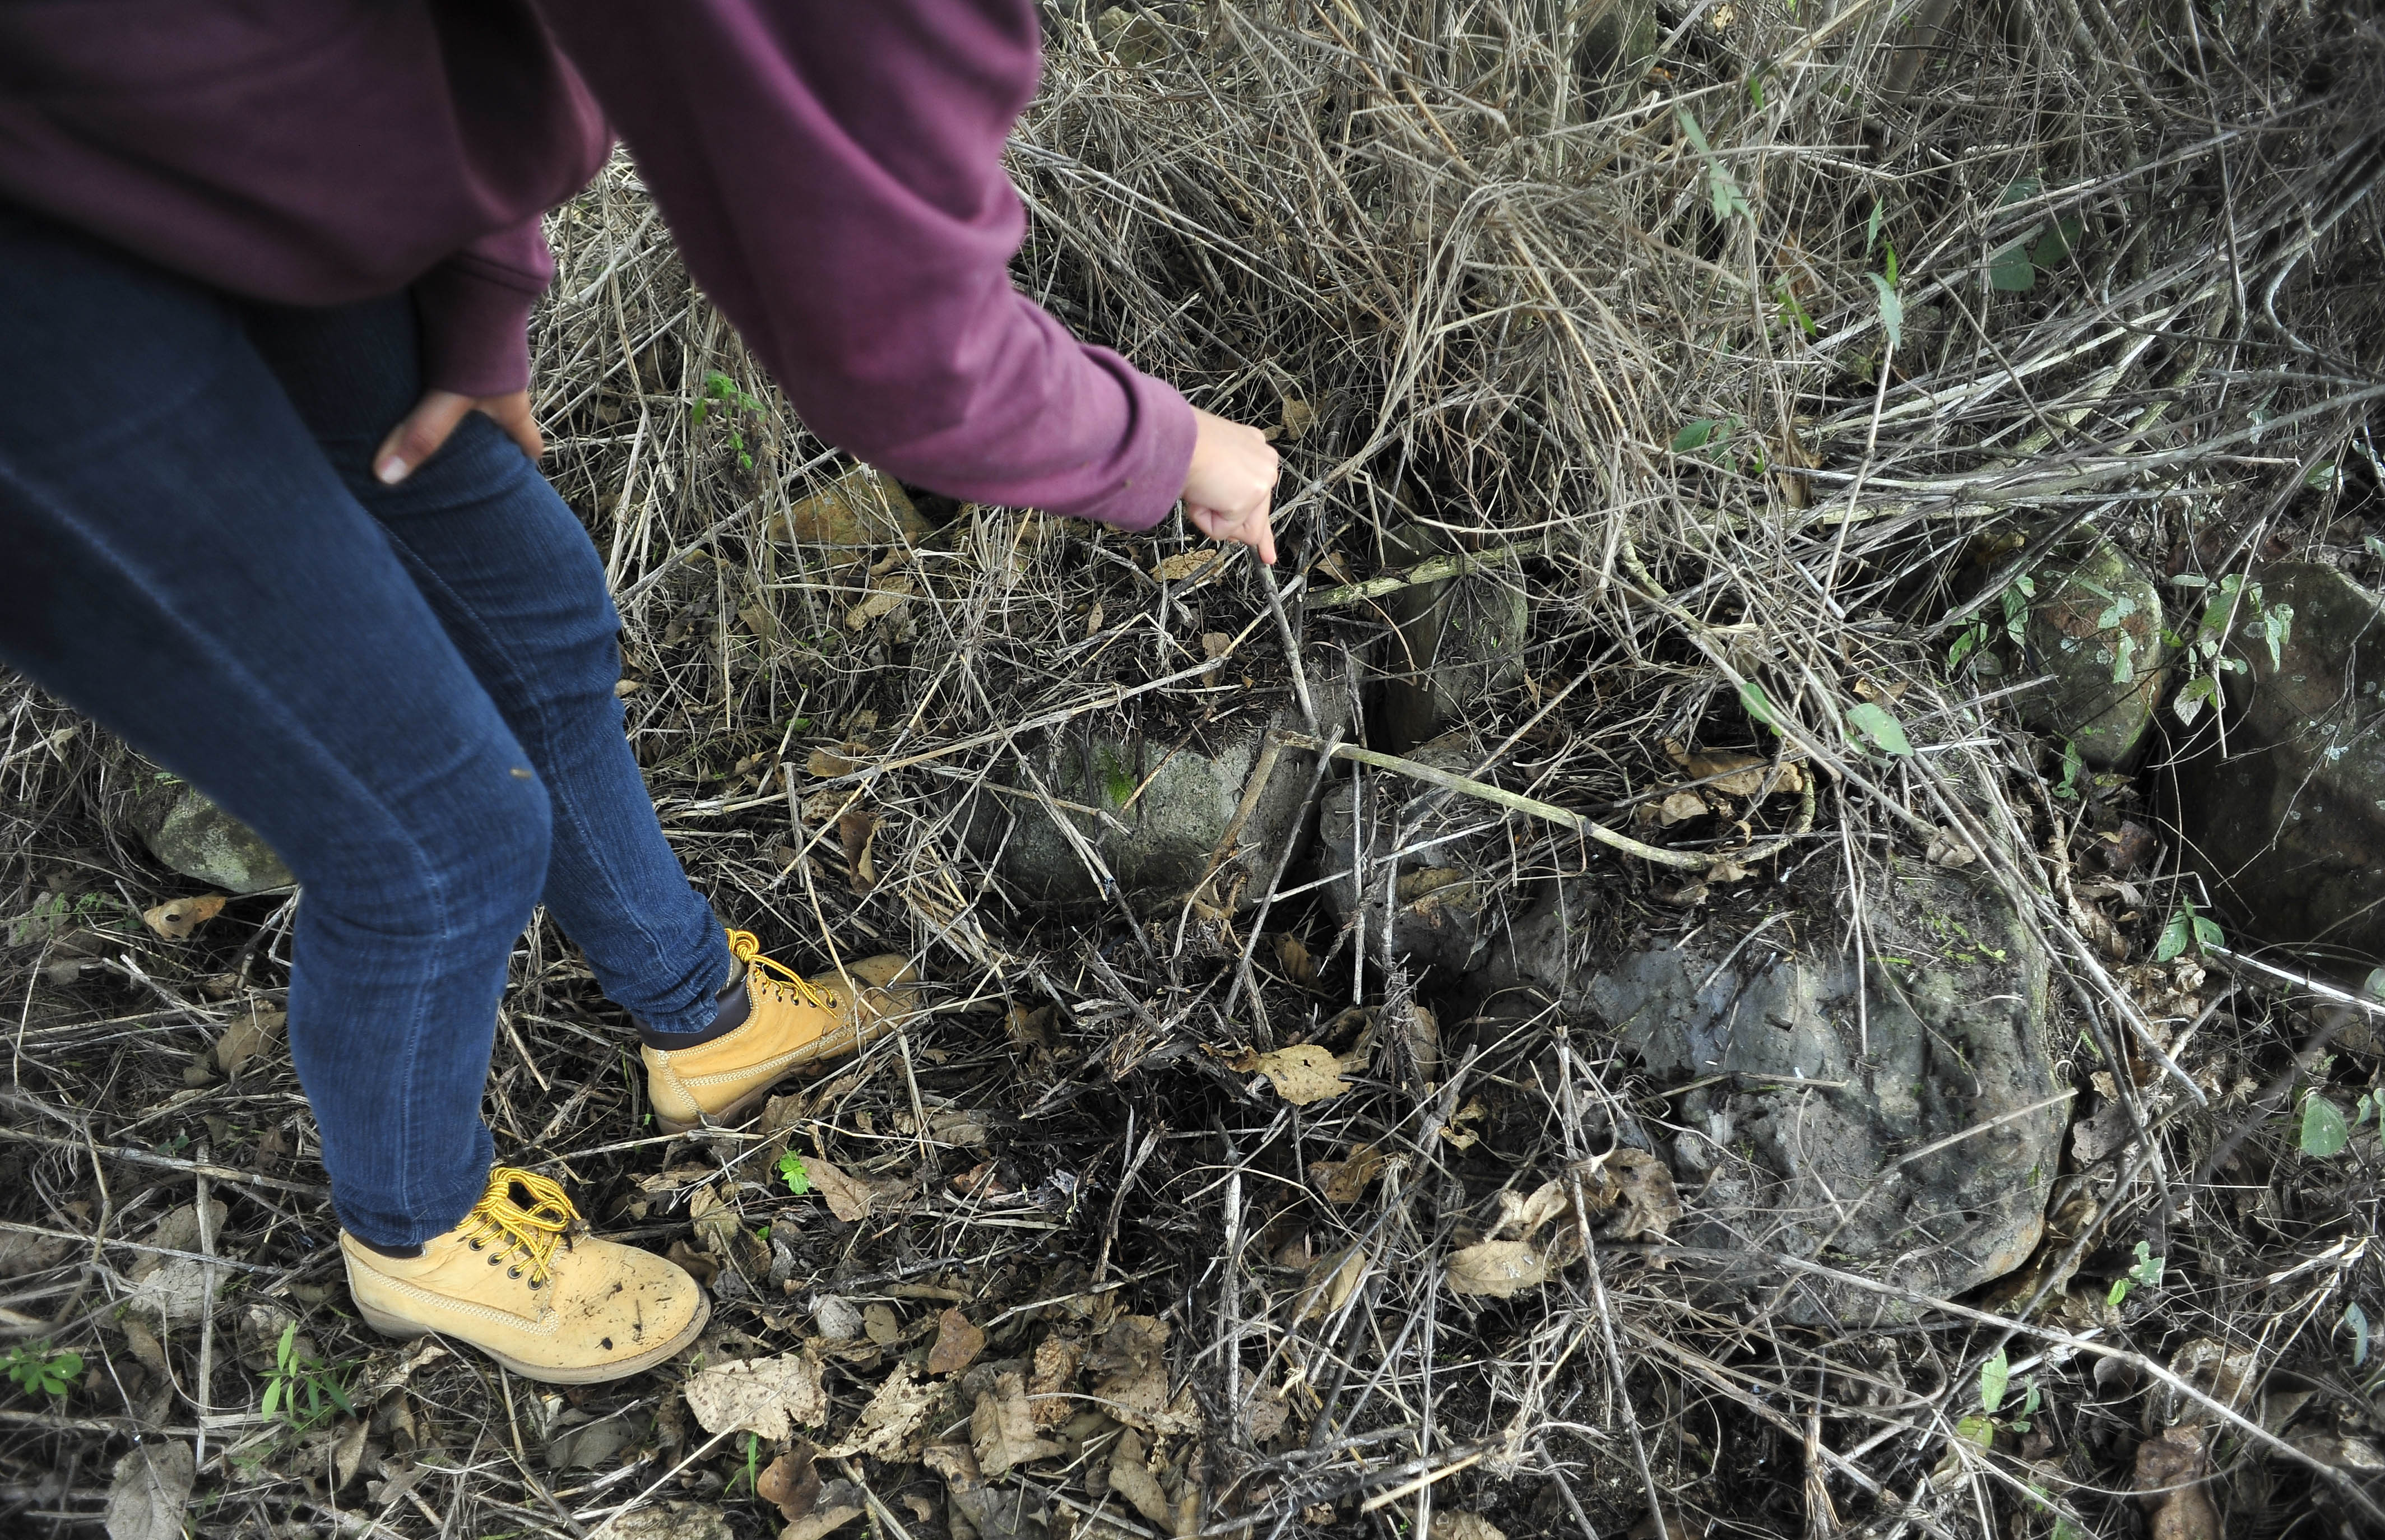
(1945, 1041)
(1152, 811)
(2096, 626)
(198, 839)
(1457, 639)
(1442, 893)
(2290, 821)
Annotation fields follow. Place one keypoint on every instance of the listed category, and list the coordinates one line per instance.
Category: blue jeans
(407, 691)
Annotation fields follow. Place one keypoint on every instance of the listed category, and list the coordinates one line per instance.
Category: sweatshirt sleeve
(474, 309)
(832, 171)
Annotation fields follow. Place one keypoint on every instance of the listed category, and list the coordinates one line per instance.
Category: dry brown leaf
(1499, 1269)
(1293, 957)
(1130, 1478)
(1651, 1205)
(347, 1453)
(879, 1323)
(1298, 416)
(716, 1223)
(246, 1038)
(772, 1398)
(859, 508)
(957, 1343)
(846, 1198)
(2171, 1469)
(1869, 689)
(1093, 619)
(1129, 1366)
(1003, 1433)
(1448, 1524)
(1215, 644)
(828, 1517)
(1456, 1130)
(1679, 807)
(759, 620)
(1304, 1073)
(1430, 882)
(1051, 1385)
(1345, 1182)
(889, 595)
(1736, 775)
(1032, 1029)
(843, 759)
(1333, 1280)
(899, 1408)
(1270, 1414)
(1187, 565)
(858, 831)
(790, 1482)
(1947, 851)
(177, 918)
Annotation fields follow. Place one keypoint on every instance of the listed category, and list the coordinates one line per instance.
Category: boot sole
(618, 1369)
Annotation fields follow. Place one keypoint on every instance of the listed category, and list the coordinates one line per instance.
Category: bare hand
(1231, 484)
(419, 436)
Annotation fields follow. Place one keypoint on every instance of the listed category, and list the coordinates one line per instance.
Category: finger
(1265, 543)
(513, 414)
(418, 435)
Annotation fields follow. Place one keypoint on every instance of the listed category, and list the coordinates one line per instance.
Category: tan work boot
(519, 1281)
(792, 1023)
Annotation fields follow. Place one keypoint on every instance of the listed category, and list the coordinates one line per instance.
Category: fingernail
(392, 469)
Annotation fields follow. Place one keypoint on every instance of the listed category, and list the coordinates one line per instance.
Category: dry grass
(1482, 290)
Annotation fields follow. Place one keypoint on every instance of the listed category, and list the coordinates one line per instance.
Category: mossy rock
(1457, 639)
(2095, 624)
(193, 836)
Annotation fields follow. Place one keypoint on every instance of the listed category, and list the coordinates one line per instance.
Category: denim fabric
(407, 691)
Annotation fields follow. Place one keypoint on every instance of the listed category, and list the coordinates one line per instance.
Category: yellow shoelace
(533, 1229)
(747, 947)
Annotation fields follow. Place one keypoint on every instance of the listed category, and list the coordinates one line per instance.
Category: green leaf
(1758, 704)
(1886, 733)
(1977, 1432)
(1965, 644)
(2124, 667)
(2196, 692)
(2323, 1130)
(2174, 937)
(2148, 1268)
(1697, 433)
(1871, 230)
(1891, 309)
(2276, 627)
(2057, 242)
(2207, 933)
(1728, 199)
(2357, 1319)
(273, 1390)
(2120, 1287)
(2010, 270)
(791, 1170)
(2072, 767)
(1994, 1375)
(2019, 190)
(1697, 136)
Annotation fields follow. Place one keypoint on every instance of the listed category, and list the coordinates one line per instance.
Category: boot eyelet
(476, 1245)
(513, 1272)
(495, 1260)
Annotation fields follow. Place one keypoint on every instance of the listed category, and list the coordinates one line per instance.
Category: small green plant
(1727, 197)
(302, 1390)
(2148, 1273)
(2012, 267)
(2072, 767)
(2013, 603)
(735, 403)
(2187, 928)
(1994, 1375)
(1892, 306)
(39, 1371)
(2355, 1321)
(752, 1474)
(1879, 725)
(2204, 649)
(2324, 1134)
(793, 1173)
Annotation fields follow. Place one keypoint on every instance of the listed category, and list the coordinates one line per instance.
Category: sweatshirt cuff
(1152, 479)
(475, 331)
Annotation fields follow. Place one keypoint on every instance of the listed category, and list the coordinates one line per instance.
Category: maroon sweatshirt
(832, 169)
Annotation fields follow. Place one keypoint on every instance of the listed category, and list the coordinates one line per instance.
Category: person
(269, 511)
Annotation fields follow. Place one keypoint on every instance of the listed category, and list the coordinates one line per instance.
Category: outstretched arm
(832, 171)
